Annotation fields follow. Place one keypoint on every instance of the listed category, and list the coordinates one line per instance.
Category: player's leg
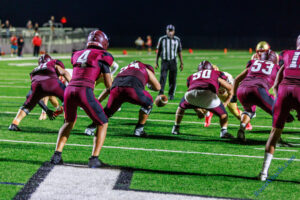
(95, 111)
(32, 99)
(179, 116)
(144, 99)
(70, 107)
(223, 116)
(172, 79)
(43, 115)
(163, 76)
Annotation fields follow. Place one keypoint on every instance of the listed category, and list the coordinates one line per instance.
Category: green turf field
(196, 162)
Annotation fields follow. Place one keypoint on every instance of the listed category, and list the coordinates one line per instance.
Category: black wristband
(233, 99)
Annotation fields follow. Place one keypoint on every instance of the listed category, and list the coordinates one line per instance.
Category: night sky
(265, 18)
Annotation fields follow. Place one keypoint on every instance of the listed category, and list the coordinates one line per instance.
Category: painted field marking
(294, 138)
(289, 150)
(150, 150)
(69, 182)
(168, 121)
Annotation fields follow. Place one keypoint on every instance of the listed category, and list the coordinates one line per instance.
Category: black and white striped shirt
(169, 47)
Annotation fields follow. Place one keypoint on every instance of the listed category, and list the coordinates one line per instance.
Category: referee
(168, 46)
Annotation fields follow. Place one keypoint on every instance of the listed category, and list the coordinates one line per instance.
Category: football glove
(50, 114)
(233, 99)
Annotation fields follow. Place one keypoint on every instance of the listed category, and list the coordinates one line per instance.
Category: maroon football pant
(250, 97)
(288, 99)
(85, 98)
(120, 95)
(41, 89)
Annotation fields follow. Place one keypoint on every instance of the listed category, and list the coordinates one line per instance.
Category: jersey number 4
(83, 58)
(256, 66)
(202, 74)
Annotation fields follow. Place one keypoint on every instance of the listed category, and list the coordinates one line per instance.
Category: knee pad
(147, 110)
(26, 110)
(250, 114)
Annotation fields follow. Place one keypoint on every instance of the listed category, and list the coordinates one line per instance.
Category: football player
(129, 86)
(232, 106)
(287, 90)
(256, 80)
(88, 64)
(203, 87)
(263, 47)
(44, 82)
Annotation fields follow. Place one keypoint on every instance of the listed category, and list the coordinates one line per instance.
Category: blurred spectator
(7, 27)
(37, 42)
(14, 45)
(0, 53)
(29, 25)
(139, 42)
(36, 27)
(149, 43)
(51, 23)
(20, 45)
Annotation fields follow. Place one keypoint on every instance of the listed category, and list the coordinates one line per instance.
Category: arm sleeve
(249, 64)
(104, 67)
(159, 43)
(179, 45)
(281, 62)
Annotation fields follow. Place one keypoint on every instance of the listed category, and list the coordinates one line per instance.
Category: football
(161, 100)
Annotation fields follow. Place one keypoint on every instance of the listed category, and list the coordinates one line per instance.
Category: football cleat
(226, 135)
(14, 127)
(56, 159)
(175, 130)
(249, 127)
(90, 130)
(208, 119)
(58, 111)
(139, 132)
(262, 176)
(241, 135)
(94, 162)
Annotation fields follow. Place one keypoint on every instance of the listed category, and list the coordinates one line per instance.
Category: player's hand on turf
(50, 114)
(225, 104)
(181, 67)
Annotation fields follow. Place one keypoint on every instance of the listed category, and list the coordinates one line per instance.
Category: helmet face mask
(298, 43)
(205, 65)
(44, 58)
(97, 39)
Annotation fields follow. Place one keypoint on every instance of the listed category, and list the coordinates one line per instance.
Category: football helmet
(44, 58)
(98, 39)
(262, 46)
(205, 65)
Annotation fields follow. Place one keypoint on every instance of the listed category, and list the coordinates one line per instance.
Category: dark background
(207, 24)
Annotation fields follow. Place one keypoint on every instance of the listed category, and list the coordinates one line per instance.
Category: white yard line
(294, 138)
(169, 121)
(277, 149)
(150, 150)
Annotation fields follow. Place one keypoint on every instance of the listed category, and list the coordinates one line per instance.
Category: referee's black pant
(171, 66)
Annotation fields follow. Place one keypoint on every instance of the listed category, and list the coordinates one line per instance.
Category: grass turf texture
(208, 175)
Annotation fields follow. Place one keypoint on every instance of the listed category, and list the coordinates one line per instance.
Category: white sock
(223, 131)
(207, 114)
(267, 163)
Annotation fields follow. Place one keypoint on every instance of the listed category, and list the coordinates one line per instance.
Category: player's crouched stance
(44, 82)
(287, 90)
(88, 64)
(129, 86)
(202, 92)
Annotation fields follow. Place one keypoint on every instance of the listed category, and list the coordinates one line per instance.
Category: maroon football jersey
(291, 62)
(138, 70)
(261, 73)
(45, 71)
(205, 79)
(87, 66)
